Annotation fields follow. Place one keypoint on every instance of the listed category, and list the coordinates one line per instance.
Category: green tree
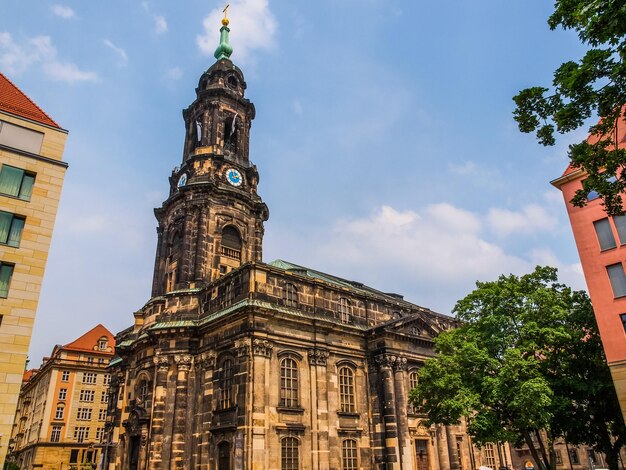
(526, 366)
(594, 86)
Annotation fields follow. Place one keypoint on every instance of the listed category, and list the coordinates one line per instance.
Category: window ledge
(225, 410)
(295, 410)
(348, 414)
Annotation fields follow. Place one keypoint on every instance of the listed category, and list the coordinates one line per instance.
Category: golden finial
(225, 19)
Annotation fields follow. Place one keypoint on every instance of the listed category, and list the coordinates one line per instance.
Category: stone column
(452, 451)
(260, 386)
(201, 249)
(320, 426)
(162, 364)
(207, 360)
(392, 451)
(178, 459)
(404, 438)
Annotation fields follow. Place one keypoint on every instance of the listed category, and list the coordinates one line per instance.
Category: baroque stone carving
(206, 360)
(262, 347)
(162, 362)
(390, 361)
(242, 346)
(318, 357)
(183, 361)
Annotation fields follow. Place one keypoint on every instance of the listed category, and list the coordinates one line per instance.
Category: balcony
(231, 253)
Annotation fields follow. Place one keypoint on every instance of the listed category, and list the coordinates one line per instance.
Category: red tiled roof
(14, 101)
(89, 340)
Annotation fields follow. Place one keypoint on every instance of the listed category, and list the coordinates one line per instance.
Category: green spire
(224, 50)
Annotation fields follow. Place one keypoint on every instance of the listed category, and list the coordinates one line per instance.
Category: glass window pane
(605, 234)
(27, 187)
(5, 226)
(10, 180)
(15, 235)
(620, 225)
(6, 271)
(618, 279)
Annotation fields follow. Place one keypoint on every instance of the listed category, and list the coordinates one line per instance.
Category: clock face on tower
(182, 181)
(234, 177)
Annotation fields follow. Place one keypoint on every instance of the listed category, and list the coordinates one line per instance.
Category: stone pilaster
(162, 364)
(386, 363)
(183, 363)
(207, 361)
(404, 438)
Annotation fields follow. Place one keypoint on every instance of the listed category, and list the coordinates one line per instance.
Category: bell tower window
(231, 243)
(230, 134)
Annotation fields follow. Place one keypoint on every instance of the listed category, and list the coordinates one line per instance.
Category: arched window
(288, 382)
(102, 343)
(346, 389)
(289, 453)
(413, 379)
(226, 384)
(345, 310)
(143, 390)
(230, 134)
(231, 243)
(290, 295)
(223, 456)
(349, 460)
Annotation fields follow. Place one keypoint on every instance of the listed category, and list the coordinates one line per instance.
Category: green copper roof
(224, 50)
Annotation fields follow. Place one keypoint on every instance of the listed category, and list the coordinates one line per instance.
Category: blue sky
(384, 139)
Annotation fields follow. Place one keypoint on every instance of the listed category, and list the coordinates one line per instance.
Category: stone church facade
(239, 364)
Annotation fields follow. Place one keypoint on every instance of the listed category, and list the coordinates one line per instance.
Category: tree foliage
(526, 364)
(594, 86)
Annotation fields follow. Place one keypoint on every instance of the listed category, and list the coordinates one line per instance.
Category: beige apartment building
(31, 178)
(62, 406)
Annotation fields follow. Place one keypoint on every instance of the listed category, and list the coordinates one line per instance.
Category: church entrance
(133, 452)
(421, 454)
(223, 456)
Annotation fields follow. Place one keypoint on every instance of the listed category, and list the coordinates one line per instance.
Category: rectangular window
(99, 434)
(11, 227)
(107, 379)
(84, 414)
(490, 456)
(58, 414)
(104, 398)
(89, 377)
(62, 393)
(618, 279)
(87, 395)
(16, 182)
(605, 234)
(20, 137)
(591, 195)
(620, 225)
(559, 457)
(574, 456)
(102, 414)
(74, 454)
(55, 434)
(81, 433)
(90, 360)
(65, 376)
(6, 273)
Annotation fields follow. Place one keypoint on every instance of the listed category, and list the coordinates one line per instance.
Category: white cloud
(160, 24)
(174, 73)
(68, 72)
(63, 11)
(297, 107)
(118, 50)
(530, 219)
(465, 168)
(39, 50)
(253, 28)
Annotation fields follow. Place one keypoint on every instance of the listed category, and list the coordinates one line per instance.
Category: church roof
(14, 101)
(337, 281)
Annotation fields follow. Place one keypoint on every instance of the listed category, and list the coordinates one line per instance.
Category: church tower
(212, 221)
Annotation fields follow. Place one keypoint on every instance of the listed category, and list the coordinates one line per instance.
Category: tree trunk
(533, 450)
(612, 457)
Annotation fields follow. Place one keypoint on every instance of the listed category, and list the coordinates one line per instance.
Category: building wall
(606, 305)
(32, 442)
(18, 310)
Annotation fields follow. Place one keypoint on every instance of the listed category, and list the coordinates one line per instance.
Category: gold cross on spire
(225, 19)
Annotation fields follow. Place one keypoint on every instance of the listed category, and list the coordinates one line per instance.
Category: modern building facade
(31, 178)
(601, 243)
(61, 412)
(235, 363)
